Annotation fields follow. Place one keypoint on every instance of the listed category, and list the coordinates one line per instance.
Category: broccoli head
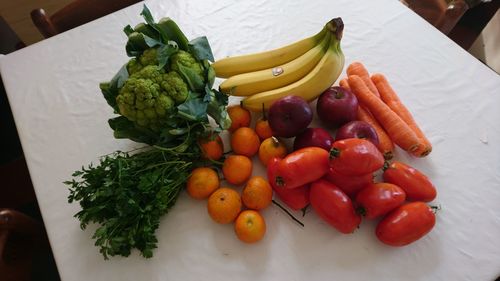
(149, 94)
(176, 88)
(148, 58)
(186, 60)
(139, 101)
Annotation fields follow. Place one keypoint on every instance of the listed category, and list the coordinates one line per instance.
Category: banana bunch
(305, 68)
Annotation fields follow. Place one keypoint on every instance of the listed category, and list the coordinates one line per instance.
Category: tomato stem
(279, 181)
(361, 211)
(288, 213)
(334, 153)
(386, 166)
(436, 208)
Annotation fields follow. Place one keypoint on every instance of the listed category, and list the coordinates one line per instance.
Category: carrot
(344, 83)
(389, 96)
(385, 144)
(399, 132)
(357, 68)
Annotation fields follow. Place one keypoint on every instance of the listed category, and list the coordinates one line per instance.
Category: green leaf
(136, 44)
(146, 14)
(171, 30)
(200, 48)
(126, 129)
(211, 76)
(192, 78)
(165, 51)
(151, 42)
(217, 109)
(178, 131)
(111, 89)
(193, 110)
(128, 30)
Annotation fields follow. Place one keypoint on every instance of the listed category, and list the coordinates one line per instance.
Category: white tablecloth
(61, 117)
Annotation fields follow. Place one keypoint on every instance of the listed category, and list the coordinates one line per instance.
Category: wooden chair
(74, 14)
(20, 237)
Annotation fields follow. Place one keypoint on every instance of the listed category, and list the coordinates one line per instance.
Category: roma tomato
(416, 185)
(355, 157)
(379, 199)
(334, 206)
(296, 198)
(349, 185)
(406, 224)
(302, 167)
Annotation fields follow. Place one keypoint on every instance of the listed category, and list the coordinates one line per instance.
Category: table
(61, 118)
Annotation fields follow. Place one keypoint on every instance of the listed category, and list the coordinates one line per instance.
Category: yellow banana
(314, 83)
(230, 66)
(250, 83)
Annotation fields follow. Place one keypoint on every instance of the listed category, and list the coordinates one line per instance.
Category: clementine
(257, 194)
(202, 182)
(250, 226)
(237, 169)
(224, 205)
(240, 117)
(245, 141)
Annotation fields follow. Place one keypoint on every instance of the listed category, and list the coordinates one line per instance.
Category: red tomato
(296, 198)
(349, 184)
(355, 157)
(334, 206)
(406, 224)
(379, 199)
(416, 185)
(302, 166)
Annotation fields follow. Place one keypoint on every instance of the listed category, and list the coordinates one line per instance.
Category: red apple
(357, 129)
(337, 106)
(289, 116)
(313, 137)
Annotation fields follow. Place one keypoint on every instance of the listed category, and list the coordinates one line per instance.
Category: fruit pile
(334, 175)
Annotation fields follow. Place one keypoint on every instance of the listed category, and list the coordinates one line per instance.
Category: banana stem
(336, 26)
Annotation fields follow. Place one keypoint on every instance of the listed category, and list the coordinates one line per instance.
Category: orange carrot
(385, 144)
(357, 68)
(399, 132)
(344, 83)
(390, 97)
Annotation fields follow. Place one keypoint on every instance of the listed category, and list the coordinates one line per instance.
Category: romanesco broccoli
(186, 60)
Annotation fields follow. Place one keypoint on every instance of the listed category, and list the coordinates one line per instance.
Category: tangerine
(237, 169)
(250, 226)
(202, 182)
(245, 141)
(263, 129)
(224, 205)
(212, 147)
(257, 194)
(271, 147)
(240, 117)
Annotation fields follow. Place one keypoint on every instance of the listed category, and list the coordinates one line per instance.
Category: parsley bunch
(126, 194)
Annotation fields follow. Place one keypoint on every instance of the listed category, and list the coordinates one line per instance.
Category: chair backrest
(74, 14)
